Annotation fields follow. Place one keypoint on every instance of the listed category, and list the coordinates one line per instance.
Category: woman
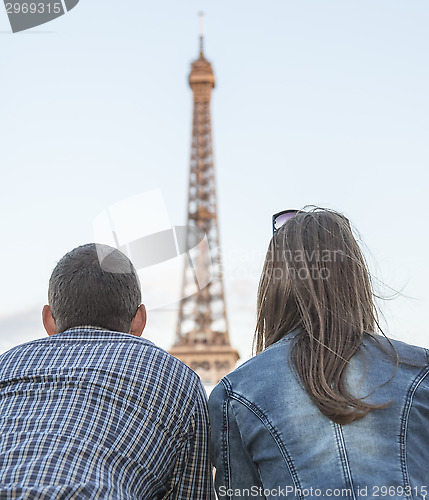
(329, 407)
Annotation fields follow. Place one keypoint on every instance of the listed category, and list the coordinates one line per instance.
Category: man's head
(94, 285)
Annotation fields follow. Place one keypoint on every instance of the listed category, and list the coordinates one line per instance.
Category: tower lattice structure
(202, 339)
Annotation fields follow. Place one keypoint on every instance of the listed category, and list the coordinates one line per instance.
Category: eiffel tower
(202, 340)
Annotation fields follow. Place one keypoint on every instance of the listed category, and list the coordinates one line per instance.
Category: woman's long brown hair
(315, 279)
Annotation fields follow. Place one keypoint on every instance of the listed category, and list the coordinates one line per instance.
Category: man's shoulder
(93, 347)
(85, 337)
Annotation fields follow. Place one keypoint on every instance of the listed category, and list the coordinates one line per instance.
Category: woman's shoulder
(254, 374)
(273, 364)
(405, 353)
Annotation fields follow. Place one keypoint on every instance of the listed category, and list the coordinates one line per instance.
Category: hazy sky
(316, 102)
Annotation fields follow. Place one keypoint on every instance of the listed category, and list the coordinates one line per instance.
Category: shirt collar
(89, 332)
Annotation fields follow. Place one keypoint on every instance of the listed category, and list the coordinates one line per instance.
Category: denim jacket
(270, 441)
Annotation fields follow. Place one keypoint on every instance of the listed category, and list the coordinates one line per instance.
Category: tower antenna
(201, 23)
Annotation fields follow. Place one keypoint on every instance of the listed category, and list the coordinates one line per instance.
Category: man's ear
(48, 321)
(139, 322)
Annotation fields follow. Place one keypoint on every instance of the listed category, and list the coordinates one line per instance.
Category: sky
(320, 103)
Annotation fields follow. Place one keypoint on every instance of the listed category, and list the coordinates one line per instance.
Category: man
(93, 411)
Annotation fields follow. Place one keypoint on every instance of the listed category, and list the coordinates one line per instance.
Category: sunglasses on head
(282, 217)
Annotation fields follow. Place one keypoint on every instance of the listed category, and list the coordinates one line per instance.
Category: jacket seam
(225, 446)
(404, 426)
(341, 445)
(271, 429)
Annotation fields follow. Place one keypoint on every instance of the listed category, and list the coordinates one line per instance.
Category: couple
(328, 408)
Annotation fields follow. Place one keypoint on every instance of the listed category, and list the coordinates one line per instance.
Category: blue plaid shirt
(95, 414)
